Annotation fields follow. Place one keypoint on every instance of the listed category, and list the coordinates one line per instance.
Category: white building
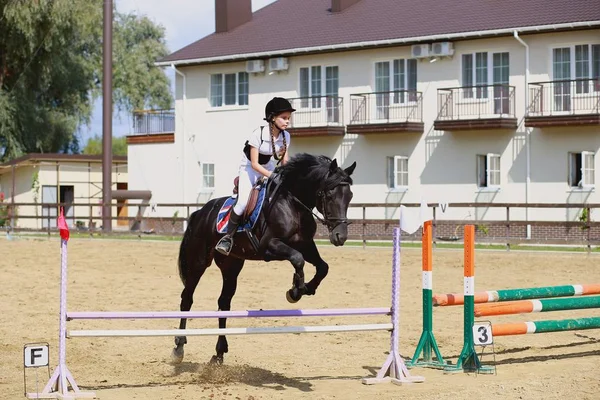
(452, 102)
(34, 186)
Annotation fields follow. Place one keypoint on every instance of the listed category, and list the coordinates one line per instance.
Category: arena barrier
(501, 302)
(393, 370)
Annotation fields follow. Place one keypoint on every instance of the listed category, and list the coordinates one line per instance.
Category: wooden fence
(509, 230)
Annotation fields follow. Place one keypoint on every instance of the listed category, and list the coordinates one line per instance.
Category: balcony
(476, 107)
(386, 112)
(317, 116)
(153, 126)
(564, 103)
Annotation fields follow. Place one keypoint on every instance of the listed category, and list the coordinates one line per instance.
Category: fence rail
(316, 111)
(386, 107)
(153, 121)
(566, 97)
(510, 230)
(476, 102)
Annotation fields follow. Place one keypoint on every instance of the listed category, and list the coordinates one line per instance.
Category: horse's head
(333, 199)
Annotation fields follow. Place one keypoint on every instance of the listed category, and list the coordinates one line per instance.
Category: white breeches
(248, 177)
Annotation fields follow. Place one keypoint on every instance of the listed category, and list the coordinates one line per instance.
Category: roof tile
(291, 24)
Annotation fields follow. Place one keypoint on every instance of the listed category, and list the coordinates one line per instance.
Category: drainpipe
(527, 134)
(183, 169)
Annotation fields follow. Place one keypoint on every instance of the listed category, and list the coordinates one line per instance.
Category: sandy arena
(115, 275)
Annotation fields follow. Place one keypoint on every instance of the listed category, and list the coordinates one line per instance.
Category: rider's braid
(273, 143)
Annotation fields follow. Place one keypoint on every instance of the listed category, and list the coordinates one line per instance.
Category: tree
(51, 69)
(94, 146)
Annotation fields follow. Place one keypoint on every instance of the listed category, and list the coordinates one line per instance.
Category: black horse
(285, 230)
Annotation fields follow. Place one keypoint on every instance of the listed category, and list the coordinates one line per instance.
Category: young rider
(266, 145)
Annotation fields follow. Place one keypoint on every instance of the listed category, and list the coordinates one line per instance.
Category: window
(476, 73)
(580, 62)
(313, 85)
(229, 89)
(581, 169)
(397, 172)
(208, 176)
(396, 76)
(488, 170)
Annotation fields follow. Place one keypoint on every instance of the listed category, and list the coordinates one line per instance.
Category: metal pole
(107, 116)
(11, 209)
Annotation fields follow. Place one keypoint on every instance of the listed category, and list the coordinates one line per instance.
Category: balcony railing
(317, 111)
(153, 122)
(476, 102)
(386, 107)
(565, 97)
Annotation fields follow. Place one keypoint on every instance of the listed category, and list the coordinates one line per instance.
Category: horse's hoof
(177, 356)
(218, 360)
(293, 295)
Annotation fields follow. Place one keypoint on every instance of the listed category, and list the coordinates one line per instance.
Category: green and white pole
(468, 361)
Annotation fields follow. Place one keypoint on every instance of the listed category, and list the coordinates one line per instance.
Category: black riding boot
(225, 245)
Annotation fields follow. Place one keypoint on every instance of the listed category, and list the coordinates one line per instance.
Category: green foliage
(584, 218)
(51, 69)
(138, 83)
(94, 146)
(3, 211)
(35, 186)
(483, 229)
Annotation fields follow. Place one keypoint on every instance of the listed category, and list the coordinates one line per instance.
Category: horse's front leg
(311, 255)
(278, 250)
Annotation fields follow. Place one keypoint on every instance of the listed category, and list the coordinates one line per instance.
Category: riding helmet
(276, 106)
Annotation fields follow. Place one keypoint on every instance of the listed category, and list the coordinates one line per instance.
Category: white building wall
(442, 165)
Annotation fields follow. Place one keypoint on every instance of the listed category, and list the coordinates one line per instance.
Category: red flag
(62, 226)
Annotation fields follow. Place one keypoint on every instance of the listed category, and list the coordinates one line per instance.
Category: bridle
(331, 222)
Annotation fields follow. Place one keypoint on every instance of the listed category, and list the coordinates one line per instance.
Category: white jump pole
(230, 331)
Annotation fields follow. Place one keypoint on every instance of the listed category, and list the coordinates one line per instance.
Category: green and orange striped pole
(491, 296)
(468, 360)
(522, 328)
(427, 342)
(542, 305)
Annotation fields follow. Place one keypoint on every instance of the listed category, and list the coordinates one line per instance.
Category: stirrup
(224, 245)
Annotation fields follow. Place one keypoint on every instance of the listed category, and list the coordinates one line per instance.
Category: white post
(57, 386)
(394, 366)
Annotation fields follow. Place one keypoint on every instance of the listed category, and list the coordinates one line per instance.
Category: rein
(329, 222)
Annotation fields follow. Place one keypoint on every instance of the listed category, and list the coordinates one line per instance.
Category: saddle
(252, 198)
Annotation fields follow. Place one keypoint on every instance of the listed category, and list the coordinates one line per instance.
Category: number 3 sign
(482, 334)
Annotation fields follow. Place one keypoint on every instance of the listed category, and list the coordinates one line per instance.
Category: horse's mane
(307, 167)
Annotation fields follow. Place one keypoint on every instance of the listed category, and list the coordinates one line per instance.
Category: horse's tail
(182, 262)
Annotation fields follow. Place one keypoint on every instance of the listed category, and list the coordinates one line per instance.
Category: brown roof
(306, 24)
(33, 157)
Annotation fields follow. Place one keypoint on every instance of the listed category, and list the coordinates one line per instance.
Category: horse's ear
(333, 166)
(350, 169)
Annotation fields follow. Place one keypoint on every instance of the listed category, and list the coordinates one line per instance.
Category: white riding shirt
(261, 139)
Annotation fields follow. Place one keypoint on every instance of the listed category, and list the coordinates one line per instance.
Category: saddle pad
(223, 216)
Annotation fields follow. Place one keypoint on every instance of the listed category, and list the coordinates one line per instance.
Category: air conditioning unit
(420, 50)
(442, 49)
(278, 64)
(255, 66)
